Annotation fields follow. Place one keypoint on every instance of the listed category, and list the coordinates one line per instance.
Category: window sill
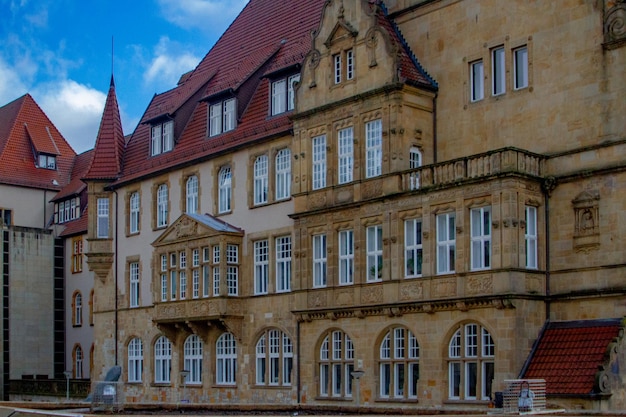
(342, 399)
(396, 400)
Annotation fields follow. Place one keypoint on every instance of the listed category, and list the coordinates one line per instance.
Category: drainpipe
(548, 185)
(435, 128)
(115, 277)
(298, 382)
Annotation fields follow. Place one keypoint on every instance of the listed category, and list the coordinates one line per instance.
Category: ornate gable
(193, 227)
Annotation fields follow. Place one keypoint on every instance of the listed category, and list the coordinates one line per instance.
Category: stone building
(358, 203)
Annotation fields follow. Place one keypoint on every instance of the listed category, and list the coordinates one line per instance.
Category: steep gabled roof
(76, 184)
(25, 131)
(110, 142)
(569, 355)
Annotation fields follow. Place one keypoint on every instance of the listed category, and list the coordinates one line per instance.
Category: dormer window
(162, 137)
(222, 117)
(343, 63)
(47, 161)
(283, 94)
(67, 210)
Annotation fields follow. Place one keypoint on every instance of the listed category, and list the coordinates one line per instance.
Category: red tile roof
(76, 227)
(568, 355)
(110, 142)
(25, 130)
(79, 170)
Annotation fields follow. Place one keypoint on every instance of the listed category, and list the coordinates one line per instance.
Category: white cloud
(11, 85)
(207, 15)
(170, 61)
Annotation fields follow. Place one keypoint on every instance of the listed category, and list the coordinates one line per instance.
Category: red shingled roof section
(76, 227)
(110, 142)
(76, 184)
(568, 354)
(17, 158)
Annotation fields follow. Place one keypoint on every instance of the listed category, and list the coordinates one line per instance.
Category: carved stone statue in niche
(586, 226)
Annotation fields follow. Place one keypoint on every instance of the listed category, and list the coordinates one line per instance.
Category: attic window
(343, 66)
(283, 94)
(47, 161)
(67, 210)
(222, 116)
(162, 137)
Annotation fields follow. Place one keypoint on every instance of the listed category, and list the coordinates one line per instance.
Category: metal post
(67, 384)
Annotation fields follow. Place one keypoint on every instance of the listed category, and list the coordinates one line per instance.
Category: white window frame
(103, 218)
(222, 116)
(274, 359)
(349, 64)
(446, 243)
(374, 249)
(78, 362)
(162, 137)
(520, 67)
(530, 237)
(498, 71)
(480, 231)
(261, 266)
(225, 190)
(78, 309)
(283, 174)
(346, 155)
(162, 205)
(135, 360)
(373, 148)
(226, 360)
(261, 184)
(216, 270)
(192, 356)
(477, 80)
(279, 96)
(319, 162)
(230, 115)
(133, 269)
(471, 356)
(232, 269)
(215, 119)
(346, 257)
(337, 63)
(134, 213)
(283, 264)
(162, 361)
(398, 364)
(413, 248)
(191, 189)
(320, 261)
(336, 363)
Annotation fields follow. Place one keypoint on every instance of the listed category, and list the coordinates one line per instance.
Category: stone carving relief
(586, 221)
(615, 25)
(372, 295)
(412, 291)
(480, 285)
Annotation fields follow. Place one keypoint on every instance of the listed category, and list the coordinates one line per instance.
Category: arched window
(78, 362)
(192, 194)
(274, 358)
(77, 309)
(162, 360)
(335, 364)
(135, 360)
(225, 190)
(193, 359)
(399, 364)
(283, 174)
(226, 359)
(471, 357)
(261, 169)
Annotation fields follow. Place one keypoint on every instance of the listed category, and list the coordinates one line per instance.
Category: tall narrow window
(336, 363)
(261, 169)
(446, 243)
(346, 257)
(279, 96)
(374, 253)
(162, 205)
(78, 309)
(291, 91)
(283, 174)
(283, 264)
(349, 64)
(530, 236)
(337, 68)
(163, 278)
(498, 71)
(216, 270)
(471, 354)
(226, 359)
(481, 238)
(261, 266)
(135, 360)
(78, 362)
(77, 254)
(134, 213)
(232, 269)
(162, 138)
(162, 360)
(373, 148)
(319, 261)
(520, 67)
(134, 284)
(222, 116)
(103, 218)
(225, 190)
(415, 161)
(399, 364)
(192, 195)
(346, 155)
(477, 85)
(319, 162)
(230, 115)
(215, 119)
(412, 248)
(192, 351)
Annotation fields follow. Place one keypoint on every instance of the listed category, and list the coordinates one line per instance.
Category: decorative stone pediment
(195, 226)
(342, 30)
(586, 221)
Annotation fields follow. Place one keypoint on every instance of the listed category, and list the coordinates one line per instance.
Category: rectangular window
(481, 238)
(374, 253)
(103, 218)
(215, 119)
(279, 95)
(319, 261)
(47, 161)
(530, 236)
(230, 115)
(163, 278)
(349, 64)
(134, 213)
(337, 66)
(216, 270)
(162, 139)
(446, 243)
(477, 76)
(498, 71)
(520, 67)
(283, 264)
(232, 269)
(222, 117)
(319, 162)
(374, 148)
(291, 91)
(283, 174)
(162, 205)
(134, 284)
(413, 248)
(346, 257)
(77, 254)
(261, 266)
(346, 155)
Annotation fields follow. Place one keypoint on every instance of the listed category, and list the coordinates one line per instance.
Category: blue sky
(59, 51)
